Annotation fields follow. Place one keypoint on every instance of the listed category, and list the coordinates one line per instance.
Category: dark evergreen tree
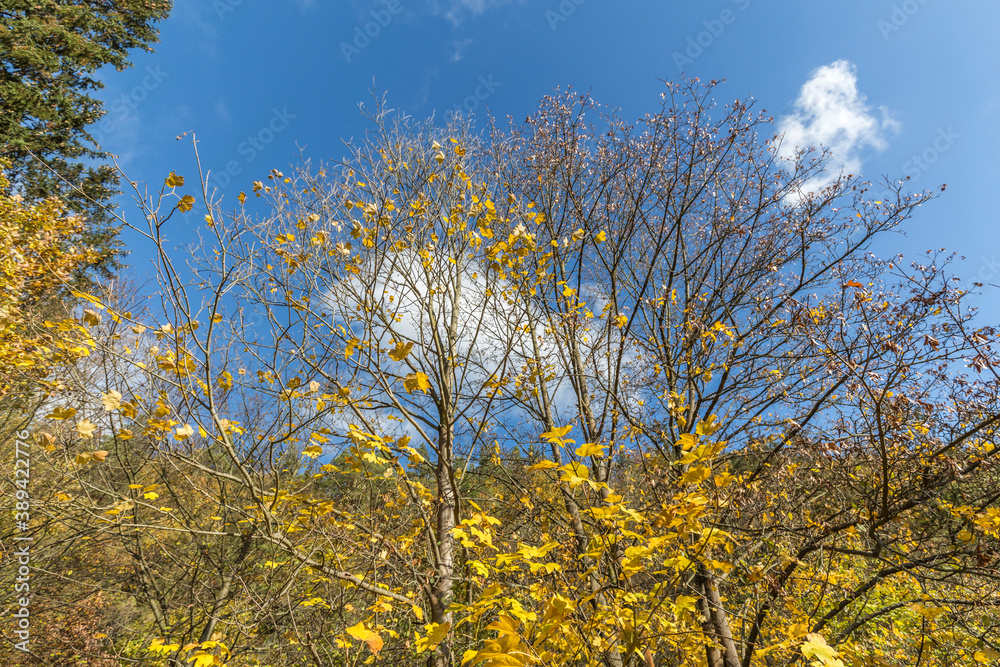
(50, 52)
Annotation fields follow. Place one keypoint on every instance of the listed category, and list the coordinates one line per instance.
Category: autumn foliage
(581, 392)
(40, 248)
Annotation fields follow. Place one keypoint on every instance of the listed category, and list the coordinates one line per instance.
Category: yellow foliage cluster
(39, 250)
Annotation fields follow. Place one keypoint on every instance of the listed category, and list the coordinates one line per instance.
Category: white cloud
(831, 113)
(493, 338)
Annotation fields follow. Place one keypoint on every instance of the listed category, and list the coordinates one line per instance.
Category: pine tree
(50, 52)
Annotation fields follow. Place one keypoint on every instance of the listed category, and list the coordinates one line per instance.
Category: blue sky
(916, 83)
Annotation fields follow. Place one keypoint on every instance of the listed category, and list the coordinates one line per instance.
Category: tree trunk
(444, 579)
(719, 619)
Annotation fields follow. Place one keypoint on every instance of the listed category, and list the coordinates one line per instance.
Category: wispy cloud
(459, 47)
(832, 113)
(456, 10)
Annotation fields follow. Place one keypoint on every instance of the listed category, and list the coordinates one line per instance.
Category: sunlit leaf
(401, 352)
(416, 381)
(61, 413)
(111, 400)
(86, 428)
(372, 639)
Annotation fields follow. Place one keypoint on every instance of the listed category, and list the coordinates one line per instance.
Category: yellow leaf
(111, 400)
(87, 297)
(930, 613)
(436, 632)
(401, 352)
(696, 475)
(816, 648)
(202, 659)
(601, 237)
(544, 465)
(708, 426)
(61, 413)
(557, 432)
(184, 432)
(100, 455)
(312, 451)
(505, 626)
(174, 181)
(86, 429)
(415, 381)
(575, 474)
(91, 318)
(186, 203)
(797, 630)
(158, 646)
(375, 643)
(361, 633)
(590, 449)
(687, 441)
(418, 612)
(685, 602)
(151, 495)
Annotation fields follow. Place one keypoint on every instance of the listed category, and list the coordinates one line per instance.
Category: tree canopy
(578, 391)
